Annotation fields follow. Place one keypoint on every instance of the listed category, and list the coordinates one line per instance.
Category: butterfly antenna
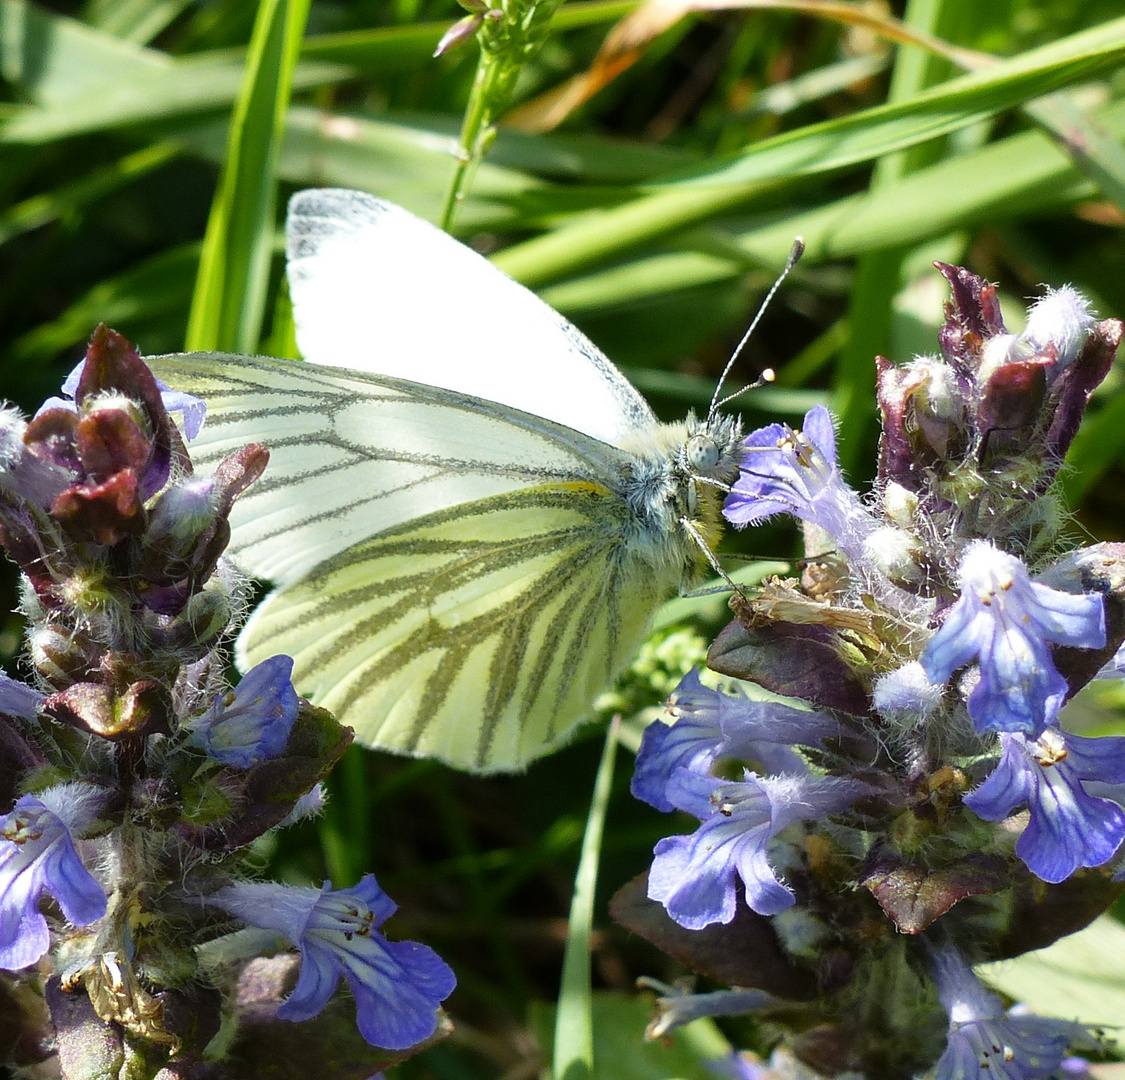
(767, 376)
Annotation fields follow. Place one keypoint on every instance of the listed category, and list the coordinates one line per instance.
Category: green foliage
(1079, 976)
(149, 147)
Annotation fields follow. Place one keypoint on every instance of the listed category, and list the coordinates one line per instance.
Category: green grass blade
(819, 148)
(81, 80)
(157, 100)
(407, 161)
(406, 164)
(574, 1022)
(134, 20)
(1100, 156)
(47, 206)
(53, 60)
(230, 292)
(1023, 175)
(967, 99)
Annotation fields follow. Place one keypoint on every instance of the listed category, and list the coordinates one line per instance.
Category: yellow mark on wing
(581, 485)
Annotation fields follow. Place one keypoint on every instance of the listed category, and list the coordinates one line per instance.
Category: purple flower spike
(987, 1043)
(193, 410)
(1006, 622)
(37, 855)
(694, 876)
(1068, 827)
(710, 725)
(693, 742)
(794, 472)
(18, 699)
(397, 985)
(252, 722)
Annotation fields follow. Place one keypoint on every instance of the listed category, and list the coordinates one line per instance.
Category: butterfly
(470, 516)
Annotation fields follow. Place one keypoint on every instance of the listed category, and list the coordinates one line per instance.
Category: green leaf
(147, 302)
(134, 20)
(620, 1052)
(574, 1023)
(81, 80)
(230, 293)
(1080, 977)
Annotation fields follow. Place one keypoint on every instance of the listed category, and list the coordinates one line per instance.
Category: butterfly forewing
(377, 289)
(352, 455)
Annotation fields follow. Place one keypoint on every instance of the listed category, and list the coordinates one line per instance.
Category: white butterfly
(461, 561)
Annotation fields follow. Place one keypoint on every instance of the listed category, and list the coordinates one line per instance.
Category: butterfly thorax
(675, 487)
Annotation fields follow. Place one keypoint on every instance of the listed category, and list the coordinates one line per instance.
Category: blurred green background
(654, 215)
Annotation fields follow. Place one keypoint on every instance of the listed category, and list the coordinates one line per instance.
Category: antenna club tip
(768, 375)
(797, 250)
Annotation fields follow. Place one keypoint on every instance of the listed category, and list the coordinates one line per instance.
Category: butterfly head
(712, 449)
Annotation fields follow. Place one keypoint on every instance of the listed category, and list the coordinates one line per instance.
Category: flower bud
(1062, 318)
(112, 435)
(907, 696)
(140, 709)
(897, 554)
(900, 504)
(59, 654)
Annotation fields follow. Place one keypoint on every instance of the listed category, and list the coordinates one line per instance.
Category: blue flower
(987, 1043)
(1068, 827)
(740, 1067)
(397, 985)
(193, 409)
(1006, 622)
(37, 855)
(794, 472)
(18, 699)
(711, 725)
(252, 722)
(694, 876)
(677, 1005)
(693, 742)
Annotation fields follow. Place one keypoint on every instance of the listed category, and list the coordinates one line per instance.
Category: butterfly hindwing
(478, 635)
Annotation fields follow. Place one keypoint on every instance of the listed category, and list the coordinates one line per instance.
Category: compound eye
(702, 452)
